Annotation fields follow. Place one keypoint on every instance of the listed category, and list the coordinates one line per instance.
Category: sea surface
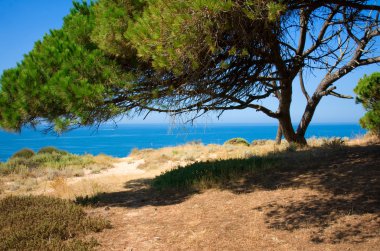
(119, 141)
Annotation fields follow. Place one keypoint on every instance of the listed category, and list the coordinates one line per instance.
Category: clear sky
(23, 22)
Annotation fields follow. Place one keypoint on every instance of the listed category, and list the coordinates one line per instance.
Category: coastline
(87, 175)
(119, 141)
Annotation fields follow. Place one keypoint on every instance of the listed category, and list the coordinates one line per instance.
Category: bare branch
(322, 33)
(338, 95)
(303, 86)
(330, 91)
(304, 18)
(369, 61)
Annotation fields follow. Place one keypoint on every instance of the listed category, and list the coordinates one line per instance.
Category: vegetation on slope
(43, 223)
(26, 171)
(209, 174)
(27, 162)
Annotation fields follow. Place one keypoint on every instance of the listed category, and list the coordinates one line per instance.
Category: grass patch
(211, 174)
(24, 174)
(53, 160)
(38, 222)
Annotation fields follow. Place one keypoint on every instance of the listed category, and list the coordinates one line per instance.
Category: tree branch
(330, 91)
(369, 61)
(303, 86)
(322, 33)
(304, 19)
(338, 95)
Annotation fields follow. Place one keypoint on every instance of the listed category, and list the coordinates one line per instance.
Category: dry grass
(62, 187)
(367, 139)
(49, 176)
(25, 175)
(322, 198)
(190, 153)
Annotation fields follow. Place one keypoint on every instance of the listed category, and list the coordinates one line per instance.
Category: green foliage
(176, 35)
(127, 57)
(111, 22)
(43, 223)
(237, 141)
(65, 79)
(368, 91)
(25, 153)
(51, 150)
(210, 174)
(49, 158)
(174, 41)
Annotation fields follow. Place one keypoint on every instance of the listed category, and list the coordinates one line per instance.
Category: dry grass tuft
(61, 188)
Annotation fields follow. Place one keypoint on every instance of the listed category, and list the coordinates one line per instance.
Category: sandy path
(124, 166)
(109, 180)
(329, 204)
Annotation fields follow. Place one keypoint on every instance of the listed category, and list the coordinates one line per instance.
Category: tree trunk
(285, 121)
(279, 135)
(288, 132)
(307, 115)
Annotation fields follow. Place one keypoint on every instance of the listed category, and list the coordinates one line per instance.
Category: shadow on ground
(138, 193)
(347, 208)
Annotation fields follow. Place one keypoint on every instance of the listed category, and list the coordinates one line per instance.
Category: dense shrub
(51, 150)
(44, 223)
(203, 175)
(25, 153)
(368, 91)
(54, 160)
(237, 141)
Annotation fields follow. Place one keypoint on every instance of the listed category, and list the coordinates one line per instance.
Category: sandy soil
(123, 167)
(327, 202)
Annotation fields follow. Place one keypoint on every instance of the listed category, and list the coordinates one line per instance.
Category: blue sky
(22, 22)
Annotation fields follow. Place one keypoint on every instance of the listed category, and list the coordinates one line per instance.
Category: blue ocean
(119, 140)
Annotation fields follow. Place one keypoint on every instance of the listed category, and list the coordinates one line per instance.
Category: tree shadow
(334, 219)
(138, 194)
(346, 209)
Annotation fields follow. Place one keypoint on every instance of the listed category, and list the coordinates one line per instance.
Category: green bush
(51, 150)
(25, 153)
(203, 175)
(41, 161)
(368, 91)
(44, 223)
(237, 141)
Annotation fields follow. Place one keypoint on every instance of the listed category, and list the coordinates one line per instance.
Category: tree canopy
(115, 57)
(368, 91)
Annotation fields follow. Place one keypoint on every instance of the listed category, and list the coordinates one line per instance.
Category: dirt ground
(327, 201)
